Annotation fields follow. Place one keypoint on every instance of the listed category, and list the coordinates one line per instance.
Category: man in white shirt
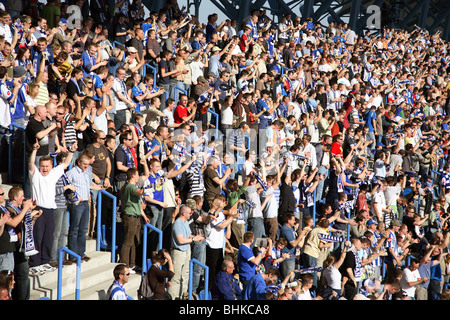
(43, 186)
(122, 102)
(411, 278)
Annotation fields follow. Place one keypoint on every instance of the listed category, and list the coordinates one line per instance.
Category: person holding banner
(20, 236)
(314, 245)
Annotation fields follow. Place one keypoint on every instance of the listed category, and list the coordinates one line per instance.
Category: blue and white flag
(330, 238)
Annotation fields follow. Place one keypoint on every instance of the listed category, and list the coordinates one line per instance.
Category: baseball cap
(19, 71)
(201, 79)
(396, 223)
(371, 222)
(191, 203)
(62, 20)
(148, 129)
(132, 49)
(215, 48)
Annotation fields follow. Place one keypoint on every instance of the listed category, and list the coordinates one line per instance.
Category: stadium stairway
(96, 277)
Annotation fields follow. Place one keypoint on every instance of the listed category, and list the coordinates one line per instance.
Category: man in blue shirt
(288, 233)
(247, 261)
(181, 253)
(256, 288)
(81, 177)
(225, 287)
(154, 194)
(18, 94)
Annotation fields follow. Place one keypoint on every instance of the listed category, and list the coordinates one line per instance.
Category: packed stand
(296, 161)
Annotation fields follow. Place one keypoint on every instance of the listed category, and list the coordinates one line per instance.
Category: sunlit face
(84, 164)
(45, 167)
(41, 45)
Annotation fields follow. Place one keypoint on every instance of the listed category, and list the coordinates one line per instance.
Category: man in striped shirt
(393, 258)
(81, 177)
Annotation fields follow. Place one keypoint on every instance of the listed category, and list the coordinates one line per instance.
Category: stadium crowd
(296, 161)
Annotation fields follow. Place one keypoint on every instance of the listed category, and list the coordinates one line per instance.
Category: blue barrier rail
(100, 241)
(155, 72)
(175, 93)
(60, 270)
(191, 272)
(13, 126)
(216, 116)
(314, 206)
(144, 245)
(247, 138)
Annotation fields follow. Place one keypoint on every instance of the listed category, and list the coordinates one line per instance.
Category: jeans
(320, 187)
(21, 290)
(256, 225)
(163, 96)
(120, 118)
(198, 249)
(93, 210)
(309, 261)
(286, 267)
(157, 218)
(79, 221)
(61, 231)
(7, 261)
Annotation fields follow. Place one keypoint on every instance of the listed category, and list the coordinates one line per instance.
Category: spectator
(117, 290)
(43, 182)
(158, 277)
(225, 286)
(81, 178)
(181, 253)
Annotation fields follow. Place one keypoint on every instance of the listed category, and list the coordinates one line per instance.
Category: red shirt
(179, 113)
(336, 149)
(242, 43)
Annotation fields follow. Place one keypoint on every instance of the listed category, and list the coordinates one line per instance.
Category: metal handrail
(144, 245)
(216, 116)
(60, 270)
(99, 219)
(314, 206)
(191, 272)
(155, 72)
(175, 91)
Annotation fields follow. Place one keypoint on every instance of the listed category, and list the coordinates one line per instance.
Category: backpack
(145, 292)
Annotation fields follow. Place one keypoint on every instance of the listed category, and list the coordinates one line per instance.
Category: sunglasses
(2, 194)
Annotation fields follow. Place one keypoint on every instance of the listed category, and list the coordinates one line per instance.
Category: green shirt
(131, 202)
(50, 12)
(234, 196)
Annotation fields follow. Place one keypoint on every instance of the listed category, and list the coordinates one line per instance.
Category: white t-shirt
(409, 276)
(253, 196)
(391, 194)
(44, 187)
(306, 295)
(247, 167)
(227, 116)
(120, 88)
(215, 237)
(333, 277)
(380, 200)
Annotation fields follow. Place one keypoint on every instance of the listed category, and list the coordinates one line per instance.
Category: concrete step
(98, 291)
(96, 277)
